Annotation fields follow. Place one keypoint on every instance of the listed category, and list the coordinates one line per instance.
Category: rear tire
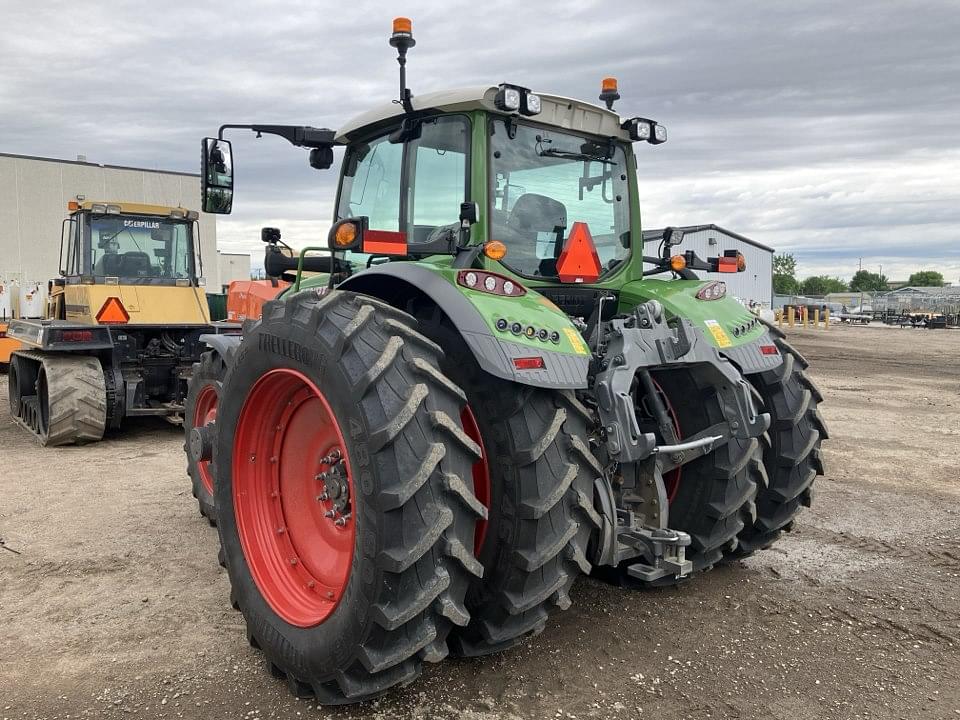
(203, 397)
(715, 496)
(541, 514)
(791, 448)
(402, 578)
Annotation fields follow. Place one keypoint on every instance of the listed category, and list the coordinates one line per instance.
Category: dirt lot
(113, 604)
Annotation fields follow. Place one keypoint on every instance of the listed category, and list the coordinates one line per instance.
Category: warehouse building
(233, 266)
(33, 204)
(755, 284)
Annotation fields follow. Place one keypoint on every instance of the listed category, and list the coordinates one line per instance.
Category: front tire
(345, 605)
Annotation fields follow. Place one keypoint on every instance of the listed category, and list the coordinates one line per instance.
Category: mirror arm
(298, 135)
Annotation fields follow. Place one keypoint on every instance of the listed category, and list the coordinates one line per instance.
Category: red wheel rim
(299, 554)
(671, 479)
(205, 413)
(481, 474)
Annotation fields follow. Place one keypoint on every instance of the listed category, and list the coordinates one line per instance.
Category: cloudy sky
(827, 129)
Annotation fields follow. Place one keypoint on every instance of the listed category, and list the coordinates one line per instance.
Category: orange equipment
(245, 298)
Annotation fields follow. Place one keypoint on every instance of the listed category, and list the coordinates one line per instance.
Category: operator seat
(108, 265)
(531, 215)
(135, 264)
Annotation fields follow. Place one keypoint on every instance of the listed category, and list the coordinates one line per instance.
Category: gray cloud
(825, 129)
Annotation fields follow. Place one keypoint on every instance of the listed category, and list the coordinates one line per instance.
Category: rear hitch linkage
(630, 348)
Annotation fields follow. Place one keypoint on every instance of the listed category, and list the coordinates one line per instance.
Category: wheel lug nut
(341, 521)
(330, 513)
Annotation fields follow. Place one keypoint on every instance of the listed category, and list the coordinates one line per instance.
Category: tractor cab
(132, 243)
(125, 250)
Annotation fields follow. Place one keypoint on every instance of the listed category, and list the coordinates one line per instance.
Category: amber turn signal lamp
(73, 205)
(495, 250)
(345, 235)
(741, 262)
(678, 263)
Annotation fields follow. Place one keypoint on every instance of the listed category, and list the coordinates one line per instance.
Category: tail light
(712, 291)
(488, 282)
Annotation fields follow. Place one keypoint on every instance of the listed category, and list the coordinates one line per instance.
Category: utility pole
(859, 269)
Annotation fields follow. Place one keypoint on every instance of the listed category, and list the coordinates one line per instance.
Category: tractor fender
(224, 345)
(396, 283)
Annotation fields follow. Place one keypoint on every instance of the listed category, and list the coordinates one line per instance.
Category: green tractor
(483, 392)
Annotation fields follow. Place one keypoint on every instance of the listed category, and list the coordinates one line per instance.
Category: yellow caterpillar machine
(122, 327)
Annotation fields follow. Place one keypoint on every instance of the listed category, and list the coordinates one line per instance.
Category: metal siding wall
(33, 204)
(756, 283)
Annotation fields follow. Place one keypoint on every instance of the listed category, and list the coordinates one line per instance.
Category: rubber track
(427, 567)
(791, 448)
(77, 396)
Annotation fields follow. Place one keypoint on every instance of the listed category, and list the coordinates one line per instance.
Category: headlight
(490, 283)
(470, 279)
(639, 129)
(645, 129)
(508, 98)
(532, 104)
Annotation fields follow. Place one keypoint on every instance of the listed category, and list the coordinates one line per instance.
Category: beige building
(34, 193)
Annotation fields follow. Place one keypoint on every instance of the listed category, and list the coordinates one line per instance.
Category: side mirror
(216, 176)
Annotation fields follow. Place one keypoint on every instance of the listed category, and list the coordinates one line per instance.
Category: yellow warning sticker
(574, 337)
(719, 334)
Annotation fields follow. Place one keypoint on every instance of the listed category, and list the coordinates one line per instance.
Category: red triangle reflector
(579, 262)
(113, 312)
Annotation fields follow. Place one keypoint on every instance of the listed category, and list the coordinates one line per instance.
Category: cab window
(436, 165)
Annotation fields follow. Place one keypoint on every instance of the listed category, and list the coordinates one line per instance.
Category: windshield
(543, 181)
(140, 246)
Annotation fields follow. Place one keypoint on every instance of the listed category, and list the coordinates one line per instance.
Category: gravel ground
(112, 603)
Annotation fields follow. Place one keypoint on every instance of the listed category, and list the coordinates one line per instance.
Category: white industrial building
(233, 266)
(34, 193)
(755, 284)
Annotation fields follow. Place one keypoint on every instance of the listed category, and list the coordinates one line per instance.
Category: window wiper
(571, 155)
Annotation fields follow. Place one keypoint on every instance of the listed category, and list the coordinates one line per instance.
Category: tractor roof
(131, 208)
(558, 111)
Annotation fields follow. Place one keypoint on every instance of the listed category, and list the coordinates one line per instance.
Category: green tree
(867, 281)
(821, 285)
(785, 264)
(926, 278)
(785, 284)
